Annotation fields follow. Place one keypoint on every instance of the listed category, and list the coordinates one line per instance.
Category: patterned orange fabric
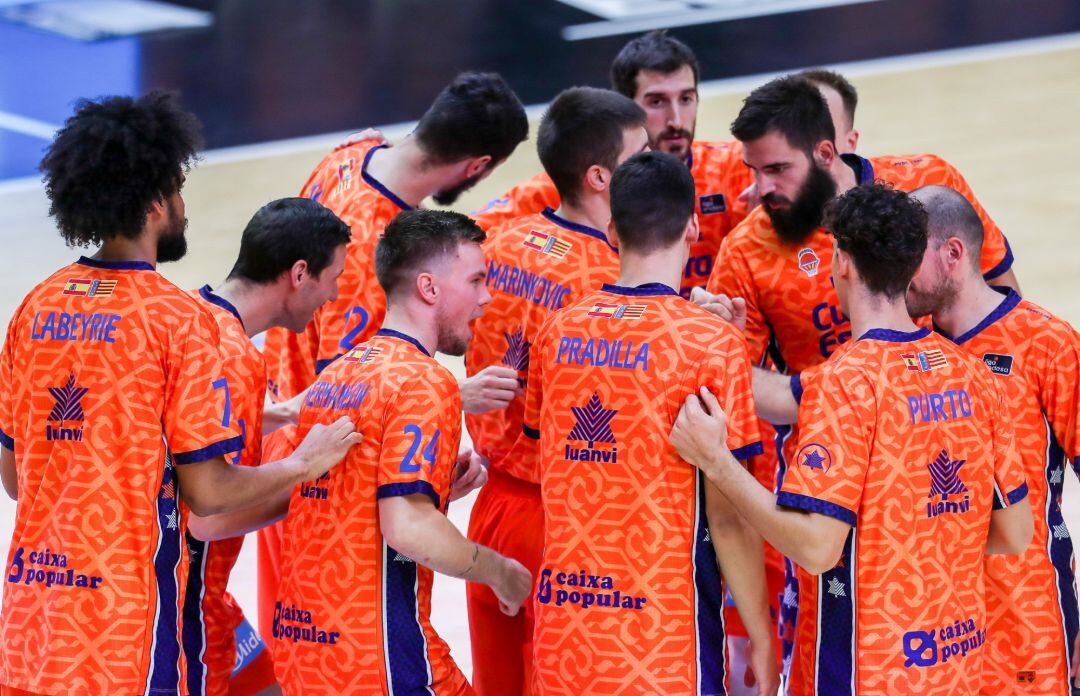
(211, 615)
(353, 614)
(341, 183)
(109, 374)
(629, 598)
(1031, 598)
(900, 437)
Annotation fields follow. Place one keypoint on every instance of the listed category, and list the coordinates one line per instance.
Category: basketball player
(536, 265)
(892, 500)
(361, 542)
(113, 401)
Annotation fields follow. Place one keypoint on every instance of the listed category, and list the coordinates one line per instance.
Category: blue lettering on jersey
(600, 352)
(525, 284)
(582, 590)
(336, 395)
(62, 326)
(928, 648)
(833, 325)
(950, 405)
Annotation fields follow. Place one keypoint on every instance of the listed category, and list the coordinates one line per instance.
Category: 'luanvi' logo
(945, 483)
(517, 351)
(593, 426)
(66, 411)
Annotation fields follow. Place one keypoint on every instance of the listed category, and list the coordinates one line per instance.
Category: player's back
(108, 371)
(1031, 598)
(536, 265)
(353, 614)
(901, 439)
(629, 584)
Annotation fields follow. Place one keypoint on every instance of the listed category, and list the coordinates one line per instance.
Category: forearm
(9, 475)
(773, 398)
(221, 487)
(278, 415)
(740, 553)
(235, 524)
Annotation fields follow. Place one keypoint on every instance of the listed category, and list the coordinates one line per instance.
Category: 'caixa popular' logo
(593, 427)
(67, 412)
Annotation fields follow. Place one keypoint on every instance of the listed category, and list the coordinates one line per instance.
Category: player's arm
(214, 486)
(278, 414)
(8, 474)
(229, 525)
(490, 389)
(776, 396)
(414, 527)
(1010, 529)
(1011, 521)
(731, 277)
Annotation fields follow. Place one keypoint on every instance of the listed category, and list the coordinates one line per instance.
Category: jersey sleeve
(417, 445)
(198, 401)
(829, 471)
(726, 372)
(527, 198)
(7, 388)
(1061, 397)
(731, 276)
(1010, 483)
(527, 446)
(997, 257)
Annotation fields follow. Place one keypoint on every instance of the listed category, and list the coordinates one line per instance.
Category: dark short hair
(655, 51)
(792, 106)
(839, 84)
(884, 231)
(112, 160)
(285, 231)
(949, 214)
(582, 127)
(415, 237)
(652, 199)
(477, 114)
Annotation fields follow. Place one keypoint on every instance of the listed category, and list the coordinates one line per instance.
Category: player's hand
(513, 587)
(324, 446)
(470, 473)
(750, 197)
(700, 430)
(366, 134)
(761, 659)
(490, 389)
(730, 309)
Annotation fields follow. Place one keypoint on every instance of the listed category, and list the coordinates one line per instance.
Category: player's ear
(597, 178)
(824, 153)
(693, 231)
(841, 264)
(853, 140)
(158, 209)
(477, 165)
(426, 288)
(299, 273)
(612, 235)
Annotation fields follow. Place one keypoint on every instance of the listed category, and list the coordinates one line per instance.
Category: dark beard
(798, 221)
(450, 195)
(173, 245)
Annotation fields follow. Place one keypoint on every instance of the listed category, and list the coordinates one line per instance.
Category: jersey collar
(116, 265)
(207, 294)
(895, 336)
(390, 333)
(864, 168)
(378, 185)
(562, 222)
(1007, 305)
(646, 290)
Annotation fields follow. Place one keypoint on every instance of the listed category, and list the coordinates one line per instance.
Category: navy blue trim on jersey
(1059, 541)
(194, 629)
(645, 290)
(218, 449)
(407, 667)
(7, 441)
(115, 265)
(796, 387)
(1017, 494)
(1008, 304)
(835, 668)
(323, 363)
(532, 433)
(863, 168)
(562, 222)
(392, 490)
(708, 605)
(747, 451)
(378, 185)
(390, 333)
(164, 674)
(824, 507)
(1004, 265)
(895, 336)
(208, 294)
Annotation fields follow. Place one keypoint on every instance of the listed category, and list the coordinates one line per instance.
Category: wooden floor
(1008, 122)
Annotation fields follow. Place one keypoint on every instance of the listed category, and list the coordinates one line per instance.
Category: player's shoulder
(511, 233)
(1040, 327)
(900, 168)
(704, 150)
(754, 234)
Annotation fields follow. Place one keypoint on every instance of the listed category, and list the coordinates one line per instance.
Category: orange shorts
(254, 667)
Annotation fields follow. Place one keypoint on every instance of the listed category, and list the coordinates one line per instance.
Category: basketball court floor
(1005, 115)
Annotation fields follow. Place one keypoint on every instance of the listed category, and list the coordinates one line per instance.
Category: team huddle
(747, 415)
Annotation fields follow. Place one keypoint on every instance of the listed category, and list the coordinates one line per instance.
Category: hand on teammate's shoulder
(730, 309)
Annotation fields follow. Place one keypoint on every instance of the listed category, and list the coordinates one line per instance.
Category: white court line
(874, 66)
(27, 126)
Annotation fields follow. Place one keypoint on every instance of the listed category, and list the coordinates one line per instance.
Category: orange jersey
(109, 374)
(1031, 598)
(211, 615)
(342, 184)
(352, 613)
(902, 438)
(719, 177)
(536, 265)
(629, 585)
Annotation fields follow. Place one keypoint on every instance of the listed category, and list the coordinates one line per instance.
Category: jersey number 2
(407, 465)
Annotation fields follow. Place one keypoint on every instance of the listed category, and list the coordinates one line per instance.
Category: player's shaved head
(583, 127)
(949, 214)
(839, 84)
(415, 239)
(652, 200)
(792, 106)
(655, 51)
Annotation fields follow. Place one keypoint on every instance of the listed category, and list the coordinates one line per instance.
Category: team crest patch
(345, 172)
(86, 287)
(618, 311)
(712, 204)
(808, 261)
(924, 360)
(362, 354)
(547, 244)
(815, 457)
(999, 364)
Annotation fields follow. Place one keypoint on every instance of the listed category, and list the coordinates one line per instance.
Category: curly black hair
(112, 160)
(884, 232)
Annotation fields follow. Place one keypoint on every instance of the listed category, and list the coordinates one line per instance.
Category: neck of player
(661, 266)
(416, 320)
(868, 310)
(406, 170)
(973, 302)
(591, 210)
(257, 304)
